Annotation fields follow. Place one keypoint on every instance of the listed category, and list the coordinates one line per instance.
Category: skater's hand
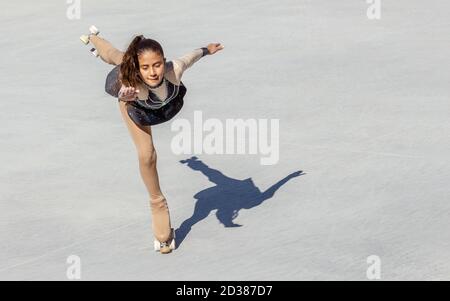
(214, 47)
(128, 93)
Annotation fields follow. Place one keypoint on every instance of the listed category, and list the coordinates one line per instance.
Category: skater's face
(151, 67)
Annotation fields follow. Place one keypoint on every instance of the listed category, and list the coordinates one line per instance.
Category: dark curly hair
(129, 69)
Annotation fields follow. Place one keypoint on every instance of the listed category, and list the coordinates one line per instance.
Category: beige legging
(142, 138)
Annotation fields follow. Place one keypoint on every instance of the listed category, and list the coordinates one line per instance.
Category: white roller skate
(93, 30)
(165, 247)
(85, 38)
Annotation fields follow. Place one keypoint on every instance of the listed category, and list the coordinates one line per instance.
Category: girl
(150, 92)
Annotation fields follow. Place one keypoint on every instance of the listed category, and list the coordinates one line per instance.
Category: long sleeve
(186, 61)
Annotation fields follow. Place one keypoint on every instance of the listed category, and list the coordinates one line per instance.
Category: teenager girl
(150, 92)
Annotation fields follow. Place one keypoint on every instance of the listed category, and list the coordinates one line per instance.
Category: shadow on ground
(228, 196)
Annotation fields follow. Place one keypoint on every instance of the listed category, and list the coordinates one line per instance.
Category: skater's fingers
(127, 96)
(130, 91)
(123, 90)
(215, 47)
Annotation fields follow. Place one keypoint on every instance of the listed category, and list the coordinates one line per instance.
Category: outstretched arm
(186, 61)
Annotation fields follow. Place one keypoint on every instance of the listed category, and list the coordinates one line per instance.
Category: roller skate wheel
(85, 39)
(94, 52)
(94, 30)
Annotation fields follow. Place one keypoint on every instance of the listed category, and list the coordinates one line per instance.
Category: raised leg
(107, 52)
